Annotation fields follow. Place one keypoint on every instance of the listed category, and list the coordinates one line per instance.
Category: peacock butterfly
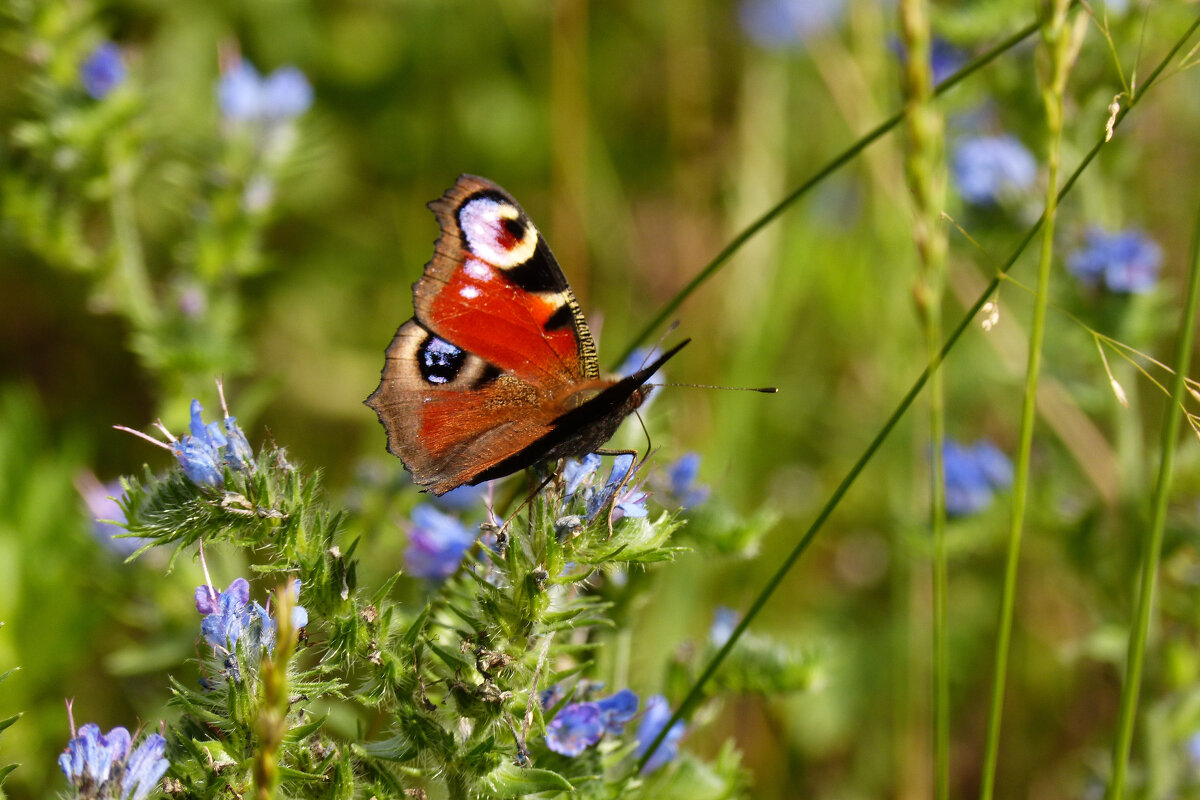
(497, 369)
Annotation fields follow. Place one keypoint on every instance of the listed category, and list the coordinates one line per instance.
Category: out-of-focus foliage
(167, 216)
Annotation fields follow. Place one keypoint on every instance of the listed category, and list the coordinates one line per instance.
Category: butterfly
(497, 370)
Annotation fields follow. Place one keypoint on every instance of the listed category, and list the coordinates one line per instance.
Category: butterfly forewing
(494, 288)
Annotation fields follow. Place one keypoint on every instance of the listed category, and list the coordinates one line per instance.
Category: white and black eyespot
(439, 361)
(496, 231)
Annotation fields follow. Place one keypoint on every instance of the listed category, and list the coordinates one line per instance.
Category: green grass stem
(694, 693)
(845, 157)
(1058, 47)
(1152, 545)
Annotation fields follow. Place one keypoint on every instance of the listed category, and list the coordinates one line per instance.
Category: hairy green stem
(1057, 53)
(1152, 545)
(694, 693)
(925, 170)
(272, 715)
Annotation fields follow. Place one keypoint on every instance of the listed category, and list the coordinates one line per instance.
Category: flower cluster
(624, 494)
(973, 474)
(991, 169)
(1125, 262)
(230, 614)
(102, 766)
(578, 726)
(202, 453)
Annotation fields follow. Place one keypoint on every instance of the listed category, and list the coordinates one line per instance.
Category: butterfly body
(497, 369)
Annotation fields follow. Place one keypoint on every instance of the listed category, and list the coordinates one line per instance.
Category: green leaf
(452, 658)
(5, 723)
(509, 780)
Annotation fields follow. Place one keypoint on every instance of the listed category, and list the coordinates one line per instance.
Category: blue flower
(725, 619)
(779, 23)
(631, 502)
(238, 454)
(576, 473)
(286, 94)
(578, 726)
(90, 756)
(658, 713)
(973, 474)
(575, 728)
(144, 768)
(436, 543)
(617, 709)
(224, 624)
(102, 71)
(101, 766)
(683, 486)
(231, 615)
(1126, 262)
(199, 460)
(244, 96)
(200, 453)
(207, 601)
(990, 169)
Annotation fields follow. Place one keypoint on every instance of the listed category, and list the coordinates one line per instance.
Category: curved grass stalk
(693, 696)
(1152, 546)
(833, 166)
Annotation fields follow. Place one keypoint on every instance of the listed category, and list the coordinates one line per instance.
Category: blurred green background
(641, 137)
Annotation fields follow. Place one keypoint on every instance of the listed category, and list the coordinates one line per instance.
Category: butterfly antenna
(760, 389)
(658, 344)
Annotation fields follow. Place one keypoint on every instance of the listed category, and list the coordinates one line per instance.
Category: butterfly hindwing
(494, 288)
(449, 414)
